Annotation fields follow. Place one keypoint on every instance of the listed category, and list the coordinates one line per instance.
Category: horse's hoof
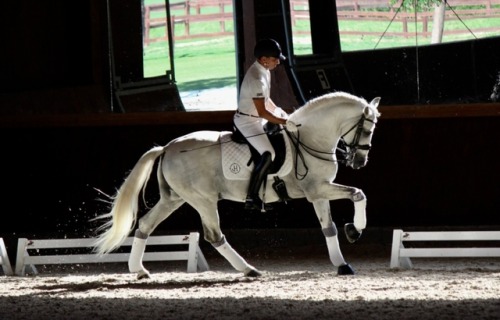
(253, 273)
(351, 233)
(345, 270)
(143, 275)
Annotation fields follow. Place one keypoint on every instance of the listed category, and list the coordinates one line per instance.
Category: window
(203, 49)
(378, 24)
(301, 27)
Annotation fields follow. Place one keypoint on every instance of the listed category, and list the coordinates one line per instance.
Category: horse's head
(357, 140)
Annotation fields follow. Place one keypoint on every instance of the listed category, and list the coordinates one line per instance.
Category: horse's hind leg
(161, 211)
(322, 208)
(213, 234)
(225, 249)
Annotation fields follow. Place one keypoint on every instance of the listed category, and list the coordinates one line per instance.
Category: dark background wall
(459, 72)
(431, 164)
(431, 171)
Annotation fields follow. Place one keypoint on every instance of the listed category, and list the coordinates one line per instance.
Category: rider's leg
(253, 201)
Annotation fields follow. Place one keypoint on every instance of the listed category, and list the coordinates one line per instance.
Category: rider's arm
(260, 105)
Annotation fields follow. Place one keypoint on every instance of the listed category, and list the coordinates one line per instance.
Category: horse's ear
(375, 102)
(373, 106)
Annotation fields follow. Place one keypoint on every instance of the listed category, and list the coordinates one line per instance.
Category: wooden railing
(193, 11)
(189, 12)
(353, 10)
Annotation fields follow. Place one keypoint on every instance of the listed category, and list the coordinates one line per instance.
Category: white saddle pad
(235, 158)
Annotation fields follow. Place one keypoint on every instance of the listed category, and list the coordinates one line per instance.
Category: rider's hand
(291, 126)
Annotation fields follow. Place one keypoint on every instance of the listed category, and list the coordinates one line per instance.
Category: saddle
(239, 157)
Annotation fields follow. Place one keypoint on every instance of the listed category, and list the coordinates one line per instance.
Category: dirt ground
(297, 283)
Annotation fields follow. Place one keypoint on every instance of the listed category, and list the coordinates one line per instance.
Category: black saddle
(275, 135)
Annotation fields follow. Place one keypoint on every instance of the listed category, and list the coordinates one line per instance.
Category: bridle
(347, 154)
(354, 146)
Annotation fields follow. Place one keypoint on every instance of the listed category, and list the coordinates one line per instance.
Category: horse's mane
(329, 99)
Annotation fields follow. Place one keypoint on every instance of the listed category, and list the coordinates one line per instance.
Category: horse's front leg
(322, 208)
(333, 191)
(359, 200)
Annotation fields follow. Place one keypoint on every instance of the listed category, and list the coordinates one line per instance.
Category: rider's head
(268, 48)
(268, 53)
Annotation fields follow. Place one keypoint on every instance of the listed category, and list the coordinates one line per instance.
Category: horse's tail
(125, 204)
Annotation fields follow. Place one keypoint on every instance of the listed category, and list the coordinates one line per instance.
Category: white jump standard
(195, 258)
(4, 260)
(400, 255)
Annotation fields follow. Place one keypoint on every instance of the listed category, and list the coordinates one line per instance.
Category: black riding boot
(253, 202)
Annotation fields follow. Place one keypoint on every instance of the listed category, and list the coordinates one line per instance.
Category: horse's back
(197, 153)
(194, 141)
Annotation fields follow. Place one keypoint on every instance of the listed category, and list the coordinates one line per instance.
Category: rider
(255, 108)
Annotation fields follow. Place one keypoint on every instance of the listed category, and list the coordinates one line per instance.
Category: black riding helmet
(268, 48)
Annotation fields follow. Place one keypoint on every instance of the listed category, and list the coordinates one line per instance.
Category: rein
(298, 153)
(347, 154)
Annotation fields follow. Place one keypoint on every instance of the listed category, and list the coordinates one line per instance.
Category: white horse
(191, 171)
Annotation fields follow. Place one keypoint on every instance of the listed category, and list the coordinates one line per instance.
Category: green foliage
(418, 5)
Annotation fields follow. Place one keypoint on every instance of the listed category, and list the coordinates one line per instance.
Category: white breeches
(251, 128)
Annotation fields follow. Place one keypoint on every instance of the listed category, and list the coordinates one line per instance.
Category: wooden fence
(189, 12)
(487, 11)
(357, 10)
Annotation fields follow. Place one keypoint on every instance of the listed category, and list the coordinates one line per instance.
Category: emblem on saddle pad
(236, 159)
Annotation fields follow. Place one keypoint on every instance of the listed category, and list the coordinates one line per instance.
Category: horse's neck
(321, 130)
(325, 120)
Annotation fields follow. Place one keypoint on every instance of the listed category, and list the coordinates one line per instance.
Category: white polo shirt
(256, 84)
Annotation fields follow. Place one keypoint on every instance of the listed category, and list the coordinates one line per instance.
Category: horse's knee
(358, 195)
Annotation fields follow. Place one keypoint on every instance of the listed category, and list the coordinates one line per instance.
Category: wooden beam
(441, 111)
(226, 117)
